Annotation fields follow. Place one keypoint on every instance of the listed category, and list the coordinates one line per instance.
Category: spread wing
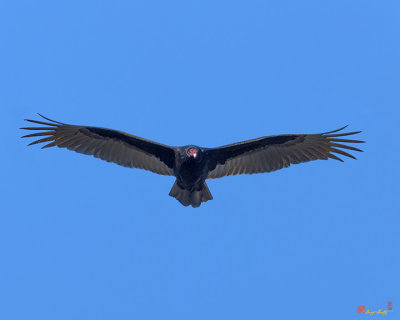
(110, 145)
(276, 152)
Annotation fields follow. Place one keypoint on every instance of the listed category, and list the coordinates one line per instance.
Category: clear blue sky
(85, 239)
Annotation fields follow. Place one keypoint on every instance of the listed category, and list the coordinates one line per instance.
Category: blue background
(84, 239)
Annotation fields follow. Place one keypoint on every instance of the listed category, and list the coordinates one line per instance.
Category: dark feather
(110, 145)
(276, 152)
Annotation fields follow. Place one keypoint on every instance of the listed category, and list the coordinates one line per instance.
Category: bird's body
(192, 165)
(191, 170)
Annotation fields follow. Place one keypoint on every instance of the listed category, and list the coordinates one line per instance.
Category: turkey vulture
(192, 165)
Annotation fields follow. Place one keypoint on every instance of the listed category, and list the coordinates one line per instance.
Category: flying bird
(192, 165)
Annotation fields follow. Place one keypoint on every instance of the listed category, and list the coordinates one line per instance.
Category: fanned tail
(188, 197)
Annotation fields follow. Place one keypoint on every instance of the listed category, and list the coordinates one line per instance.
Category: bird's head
(193, 152)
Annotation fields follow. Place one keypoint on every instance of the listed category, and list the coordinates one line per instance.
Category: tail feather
(188, 197)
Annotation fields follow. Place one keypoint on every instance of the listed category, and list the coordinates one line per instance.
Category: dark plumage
(192, 165)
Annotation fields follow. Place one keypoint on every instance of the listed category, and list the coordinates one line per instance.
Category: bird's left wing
(110, 145)
(276, 152)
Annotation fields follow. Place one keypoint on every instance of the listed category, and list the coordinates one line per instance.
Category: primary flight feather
(192, 165)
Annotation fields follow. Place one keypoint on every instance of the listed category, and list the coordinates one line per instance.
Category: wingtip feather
(51, 144)
(332, 156)
(336, 130)
(49, 119)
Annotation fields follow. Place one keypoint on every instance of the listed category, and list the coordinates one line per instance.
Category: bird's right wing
(110, 145)
(276, 152)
